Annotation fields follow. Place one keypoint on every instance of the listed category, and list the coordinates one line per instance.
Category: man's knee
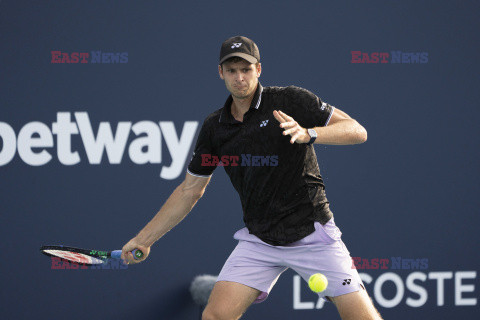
(211, 313)
(356, 305)
(229, 300)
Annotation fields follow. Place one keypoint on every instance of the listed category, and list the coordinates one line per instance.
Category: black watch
(313, 136)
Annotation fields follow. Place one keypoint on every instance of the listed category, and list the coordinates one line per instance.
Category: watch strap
(313, 136)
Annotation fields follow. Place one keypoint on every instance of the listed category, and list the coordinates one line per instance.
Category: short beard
(242, 97)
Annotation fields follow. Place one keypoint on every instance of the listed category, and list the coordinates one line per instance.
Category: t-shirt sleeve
(306, 108)
(203, 148)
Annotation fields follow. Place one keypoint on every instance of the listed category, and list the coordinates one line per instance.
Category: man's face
(241, 78)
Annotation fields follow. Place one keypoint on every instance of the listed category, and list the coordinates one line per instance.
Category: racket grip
(116, 254)
(137, 254)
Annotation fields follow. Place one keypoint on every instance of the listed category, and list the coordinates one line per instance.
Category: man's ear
(220, 72)
(259, 70)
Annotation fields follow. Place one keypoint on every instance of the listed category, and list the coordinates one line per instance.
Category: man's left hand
(291, 127)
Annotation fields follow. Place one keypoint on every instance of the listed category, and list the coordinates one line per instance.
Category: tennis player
(263, 138)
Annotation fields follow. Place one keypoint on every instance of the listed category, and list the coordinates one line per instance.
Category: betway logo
(35, 138)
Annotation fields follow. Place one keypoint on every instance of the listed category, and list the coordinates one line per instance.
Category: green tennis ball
(317, 282)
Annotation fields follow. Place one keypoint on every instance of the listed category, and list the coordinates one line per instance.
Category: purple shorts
(258, 265)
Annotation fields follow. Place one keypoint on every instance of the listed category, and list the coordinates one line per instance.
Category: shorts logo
(236, 45)
(346, 281)
(324, 105)
(264, 123)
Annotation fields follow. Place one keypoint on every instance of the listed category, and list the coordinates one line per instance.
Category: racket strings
(74, 257)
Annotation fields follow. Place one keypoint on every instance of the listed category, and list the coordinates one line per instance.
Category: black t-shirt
(279, 183)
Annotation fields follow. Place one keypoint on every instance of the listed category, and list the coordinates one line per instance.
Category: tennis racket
(85, 256)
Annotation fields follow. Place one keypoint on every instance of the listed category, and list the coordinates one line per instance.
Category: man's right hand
(127, 249)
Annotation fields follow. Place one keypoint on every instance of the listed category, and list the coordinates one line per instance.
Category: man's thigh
(229, 300)
(254, 265)
(356, 305)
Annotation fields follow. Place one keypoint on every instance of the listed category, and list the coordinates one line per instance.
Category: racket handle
(137, 254)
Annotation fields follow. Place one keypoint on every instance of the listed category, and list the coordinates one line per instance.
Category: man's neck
(240, 106)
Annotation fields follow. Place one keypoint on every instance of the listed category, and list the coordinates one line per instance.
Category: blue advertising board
(100, 106)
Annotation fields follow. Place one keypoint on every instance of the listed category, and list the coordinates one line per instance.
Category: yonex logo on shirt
(236, 45)
(264, 123)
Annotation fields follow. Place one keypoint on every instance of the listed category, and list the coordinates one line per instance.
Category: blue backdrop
(89, 150)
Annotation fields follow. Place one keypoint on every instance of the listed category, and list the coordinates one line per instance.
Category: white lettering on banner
(27, 141)
(151, 142)
(35, 138)
(64, 129)
(178, 148)
(459, 300)
(115, 146)
(413, 284)
(9, 143)
(297, 303)
(377, 290)
(440, 277)
(413, 287)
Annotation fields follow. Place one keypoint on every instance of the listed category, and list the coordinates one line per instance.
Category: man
(263, 138)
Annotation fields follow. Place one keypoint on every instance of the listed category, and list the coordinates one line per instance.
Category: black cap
(239, 47)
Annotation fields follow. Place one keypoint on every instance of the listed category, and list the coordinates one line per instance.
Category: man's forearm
(347, 131)
(172, 212)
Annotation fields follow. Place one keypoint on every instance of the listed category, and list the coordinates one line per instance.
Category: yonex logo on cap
(239, 47)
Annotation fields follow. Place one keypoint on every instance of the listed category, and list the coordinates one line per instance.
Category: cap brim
(245, 56)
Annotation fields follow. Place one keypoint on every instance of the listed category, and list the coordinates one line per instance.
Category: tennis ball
(317, 282)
